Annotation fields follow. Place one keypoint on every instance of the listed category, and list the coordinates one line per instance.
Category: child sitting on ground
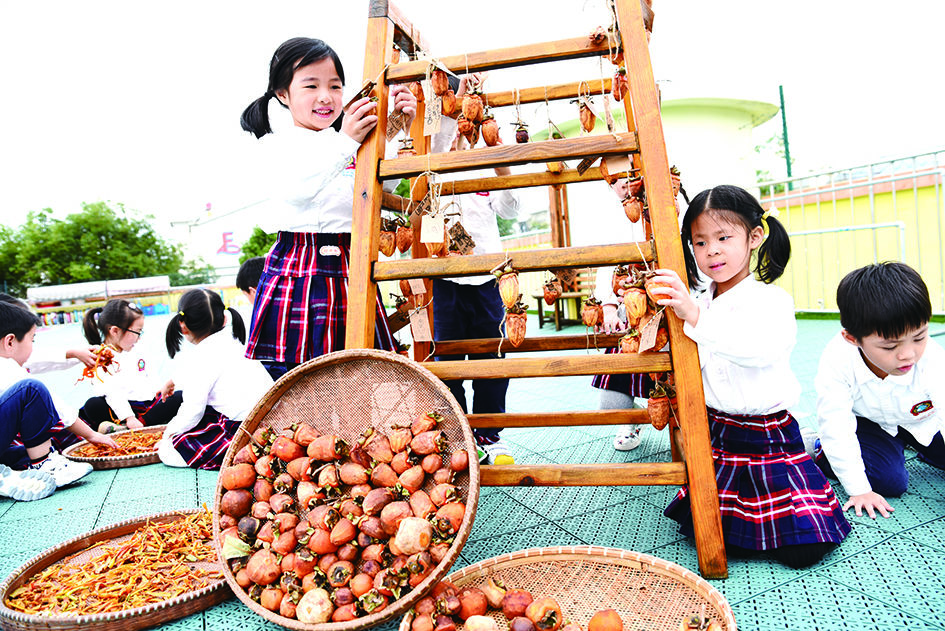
(27, 412)
(127, 396)
(878, 384)
(220, 385)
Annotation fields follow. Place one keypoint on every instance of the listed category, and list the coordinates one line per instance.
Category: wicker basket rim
(265, 404)
(696, 582)
(152, 456)
(45, 622)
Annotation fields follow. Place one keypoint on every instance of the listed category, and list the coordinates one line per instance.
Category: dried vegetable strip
(104, 359)
(128, 444)
(153, 565)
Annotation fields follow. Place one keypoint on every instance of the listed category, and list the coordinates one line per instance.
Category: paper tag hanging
(420, 325)
(618, 165)
(648, 334)
(460, 240)
(417, 286)
(567, 277)
(433, 111)
(608, 116)
(432, 229)
(395, 122)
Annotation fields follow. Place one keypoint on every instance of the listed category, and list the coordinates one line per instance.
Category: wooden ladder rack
(690, 443)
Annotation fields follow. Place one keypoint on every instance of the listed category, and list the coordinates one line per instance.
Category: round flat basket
(79, 551)
(117, 462)
(346, 394)
(647, 592)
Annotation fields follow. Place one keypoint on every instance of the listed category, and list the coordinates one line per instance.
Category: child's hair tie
(180, 313)
(771, 212)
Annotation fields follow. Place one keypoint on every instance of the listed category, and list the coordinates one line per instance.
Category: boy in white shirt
(878, 385)
(27, 412)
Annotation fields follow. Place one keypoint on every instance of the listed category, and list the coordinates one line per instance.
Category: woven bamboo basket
(345, 393)
(118, 462)
(127, 620)
(647, 592)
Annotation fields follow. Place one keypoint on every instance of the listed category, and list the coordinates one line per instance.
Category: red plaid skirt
(302, 298)
(204, 446)
(771, 494)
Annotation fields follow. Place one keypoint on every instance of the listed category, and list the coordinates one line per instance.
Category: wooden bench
(586, 282)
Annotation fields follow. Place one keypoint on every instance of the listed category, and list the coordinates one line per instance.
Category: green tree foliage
(99, 243)
(258, 244)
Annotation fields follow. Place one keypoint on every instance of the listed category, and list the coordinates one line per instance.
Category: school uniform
(48, 360)
(470, 307)
(771, 494)
(128, 388)
(302, 296)
(865, 422)
(28, 411)
(220, 388)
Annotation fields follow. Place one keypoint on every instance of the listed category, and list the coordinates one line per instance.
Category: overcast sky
(140, 103)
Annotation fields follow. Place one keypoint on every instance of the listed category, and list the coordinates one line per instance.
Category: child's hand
(612, 322)
(102, 439)
(404, 101)
(468, 81)
(360, 118)
(133, 423)
(676, 296)
(870, 501)
(167, 390)
(84, 355)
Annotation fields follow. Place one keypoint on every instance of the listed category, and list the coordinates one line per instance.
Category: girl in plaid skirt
(300, 307)
(771, 494)
(220, 386)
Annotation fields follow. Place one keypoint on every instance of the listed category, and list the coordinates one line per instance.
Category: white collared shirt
(132, 377)
(214, 372)
(11, 373)
(847, 388)
(745, 338)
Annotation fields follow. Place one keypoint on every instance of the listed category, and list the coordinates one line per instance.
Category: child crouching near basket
(771, 494)
(220, 385)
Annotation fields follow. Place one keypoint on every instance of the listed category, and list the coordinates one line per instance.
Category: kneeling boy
(879, 385)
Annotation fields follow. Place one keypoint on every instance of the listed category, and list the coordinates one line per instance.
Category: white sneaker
(497, 453)
(25, 486)
(63, 470)
(627, 438)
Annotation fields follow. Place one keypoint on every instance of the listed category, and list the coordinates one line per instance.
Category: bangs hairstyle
(203, 312)
(735, 204)
(116, 312)
(888, 299)
(248, 275)
(16, 319)
(291, 54)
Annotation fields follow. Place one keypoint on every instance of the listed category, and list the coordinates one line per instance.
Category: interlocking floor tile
(46, 532)
(120, 509)
(555, 503)
(12, 561)
(542, 535)
(498, 513)
(931, 534)
(153, 479)
(632, 525)
(899, 572)
(924, 479)
(549, 441)
(819, 604)
(910, 511)
(233, 615)
(79, 496)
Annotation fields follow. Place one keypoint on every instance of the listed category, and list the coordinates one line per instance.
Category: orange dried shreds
(155, 564)
(104, 359)
(128, 444)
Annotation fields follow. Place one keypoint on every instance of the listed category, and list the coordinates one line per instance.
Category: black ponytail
(173, 336)
(291, 54)
(236, 323)
(116, 312)
(740, 205)
(90, 326)
(202, 311)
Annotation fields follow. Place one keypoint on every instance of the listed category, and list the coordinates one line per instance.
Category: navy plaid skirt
(302, 298)
(204, 446)
(632, 384)
(771, 494)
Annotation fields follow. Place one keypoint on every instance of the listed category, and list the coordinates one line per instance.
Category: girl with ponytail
(771, 494)
(128, 396)
(300, 305)
(220, 386)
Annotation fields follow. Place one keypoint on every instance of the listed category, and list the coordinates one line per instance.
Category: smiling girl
(128, 395)
(300, 307)
(771, 494)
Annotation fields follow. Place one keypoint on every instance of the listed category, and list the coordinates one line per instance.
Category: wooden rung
(509, 155)
(560, 419)
(551, 93)
(574, 48)
(406, 35)
(558, 366)
(544, 343)
(555, 258)
(616, 474)
(498, 183)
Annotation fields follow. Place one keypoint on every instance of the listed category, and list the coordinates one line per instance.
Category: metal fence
(844, 219)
